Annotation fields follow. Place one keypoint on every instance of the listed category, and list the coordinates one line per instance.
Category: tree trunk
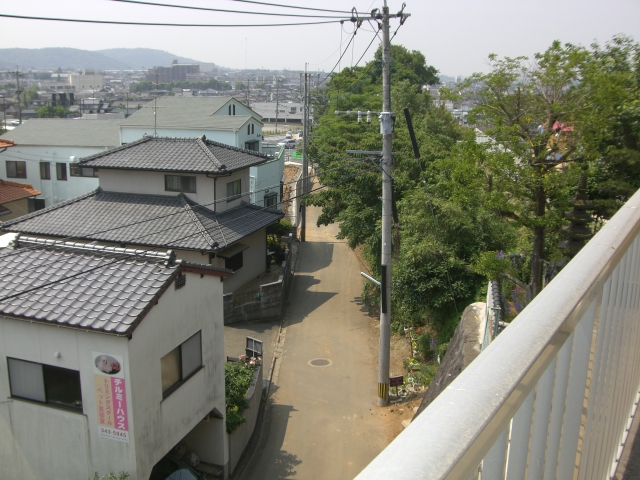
(538, 243)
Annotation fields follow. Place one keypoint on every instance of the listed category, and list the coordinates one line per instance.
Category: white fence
(553, 395)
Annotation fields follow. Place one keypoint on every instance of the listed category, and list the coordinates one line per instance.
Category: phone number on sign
(113, 433)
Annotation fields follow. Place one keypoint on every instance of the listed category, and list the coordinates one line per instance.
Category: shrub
(237, 380)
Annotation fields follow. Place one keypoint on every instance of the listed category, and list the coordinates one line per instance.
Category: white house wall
(152, 183)
(54, 190)
(268, 176)
(254, 261)
(161, 424)
(39, 441)
(240, 109)
(228, 137)
(244, 137)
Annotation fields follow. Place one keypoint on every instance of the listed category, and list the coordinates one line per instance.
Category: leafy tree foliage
(562, 108)
(213, 84)
(48, 111)
(27, 96)
(568, 112)
(237, 380)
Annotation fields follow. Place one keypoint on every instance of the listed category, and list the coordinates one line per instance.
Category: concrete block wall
(239, 438)
(272, 297)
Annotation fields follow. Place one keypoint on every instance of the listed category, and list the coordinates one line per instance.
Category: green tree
(47, 111)
(240, 86)
(408, 65)
(27, 96)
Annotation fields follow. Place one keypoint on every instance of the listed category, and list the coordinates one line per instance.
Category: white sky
(455, 35)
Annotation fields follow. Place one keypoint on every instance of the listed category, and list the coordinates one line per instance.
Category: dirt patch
(393, 415)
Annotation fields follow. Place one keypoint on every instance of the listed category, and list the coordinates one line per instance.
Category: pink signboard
(111, 397)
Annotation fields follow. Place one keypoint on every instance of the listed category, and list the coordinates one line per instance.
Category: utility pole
(18, 91)
(4, 111)
(277, 101)
(386, 129)
(305, 166)
(385, 287)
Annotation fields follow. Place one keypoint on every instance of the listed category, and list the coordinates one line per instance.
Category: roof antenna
(155, 109)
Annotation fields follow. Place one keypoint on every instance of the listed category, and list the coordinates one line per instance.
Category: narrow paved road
(321, 421)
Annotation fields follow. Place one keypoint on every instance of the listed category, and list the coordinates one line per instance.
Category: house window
(180, 364)
(233, 263)
(233, 190)
(79, 171)
(229, 109)
(16, 169)
(34, 204)
(270, 199)
(253, 129)
(248, 129)
(61, 171)
(234, 109)
(45, 384)
(252, 145)
(178, 183)
(45, 170)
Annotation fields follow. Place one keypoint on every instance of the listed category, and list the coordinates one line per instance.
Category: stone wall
(272, 297)
(463, 348)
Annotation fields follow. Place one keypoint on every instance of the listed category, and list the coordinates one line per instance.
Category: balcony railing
(553, 396)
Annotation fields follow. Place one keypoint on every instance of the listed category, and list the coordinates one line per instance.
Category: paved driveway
(321, 421)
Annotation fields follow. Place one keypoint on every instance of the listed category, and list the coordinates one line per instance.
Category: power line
(208, 9)
(295, 7)
(88, 235)
(342, 55)
(152, 24)
(128, 255)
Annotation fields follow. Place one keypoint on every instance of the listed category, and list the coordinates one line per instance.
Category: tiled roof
(188, 112)
(149, 220)
(81, 288)
(12, 191)
(192, 155)
(61, 132)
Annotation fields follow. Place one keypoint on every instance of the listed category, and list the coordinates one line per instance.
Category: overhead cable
(292, 6)
(153, 24)
(223, 10)
(138, 252)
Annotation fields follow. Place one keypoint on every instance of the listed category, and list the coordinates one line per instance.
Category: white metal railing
(554, 394)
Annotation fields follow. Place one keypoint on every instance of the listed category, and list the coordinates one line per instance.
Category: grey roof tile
(146, 220)
(66, 132)
(191, 155)
(188, 112)
(85, 289)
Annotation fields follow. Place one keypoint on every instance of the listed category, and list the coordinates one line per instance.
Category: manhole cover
(319, 362)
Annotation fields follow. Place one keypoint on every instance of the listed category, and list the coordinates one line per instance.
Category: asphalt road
(321, 422)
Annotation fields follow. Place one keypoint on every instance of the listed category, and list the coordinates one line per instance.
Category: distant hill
(144, 57)
(52, 58)
(73, 58)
